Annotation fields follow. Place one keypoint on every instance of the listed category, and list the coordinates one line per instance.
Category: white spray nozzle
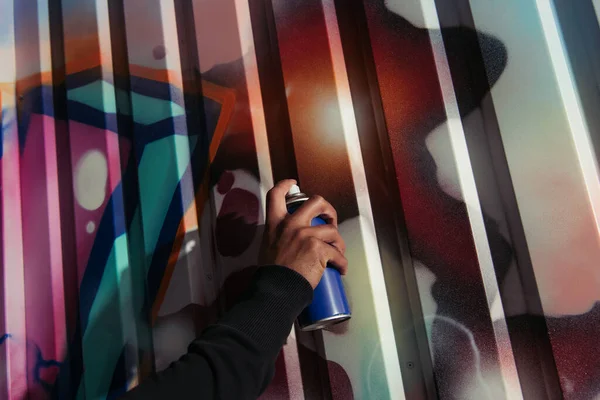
(295, 189)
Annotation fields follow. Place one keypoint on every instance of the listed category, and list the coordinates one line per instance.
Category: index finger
(314, 207)
(276, 208)
(337, 259)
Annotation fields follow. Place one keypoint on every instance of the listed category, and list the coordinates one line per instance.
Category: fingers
(336, 259)
(276, 209)
(316, 206)
(326, 233)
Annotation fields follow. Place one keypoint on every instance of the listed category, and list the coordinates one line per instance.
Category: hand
(290, 240)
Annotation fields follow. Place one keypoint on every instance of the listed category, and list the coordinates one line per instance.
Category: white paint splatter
(91, 175)
(412, 11)
(189, 246)
(476, 353)
(438, 143)
(90, 227)
(567, 385)
(425, 281)
(242, 180)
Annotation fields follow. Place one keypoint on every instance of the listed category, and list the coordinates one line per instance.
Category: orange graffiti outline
(226, 97)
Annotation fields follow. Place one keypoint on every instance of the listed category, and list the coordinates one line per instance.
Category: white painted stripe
(12, 233)
(471, 198)
(182, 151)
(14, 276)
(52, 191)
(44, 36)
(292, 367)
(375, 269)
(255, 98)
(173, 65)
(572, 106)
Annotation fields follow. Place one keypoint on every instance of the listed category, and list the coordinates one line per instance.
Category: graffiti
(136, 150)
(4, 337)
(43, 371)
(42, 365)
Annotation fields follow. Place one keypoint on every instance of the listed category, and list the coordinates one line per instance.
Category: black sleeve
(234, 359)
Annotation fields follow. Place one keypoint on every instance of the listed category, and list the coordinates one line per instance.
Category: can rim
(296, 198)
(325, 322)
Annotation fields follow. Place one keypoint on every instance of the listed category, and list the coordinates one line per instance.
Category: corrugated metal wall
(458, 139)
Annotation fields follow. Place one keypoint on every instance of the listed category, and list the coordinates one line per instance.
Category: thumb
(276, 208)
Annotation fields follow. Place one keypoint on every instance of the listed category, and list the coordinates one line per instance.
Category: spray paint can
(329, 305)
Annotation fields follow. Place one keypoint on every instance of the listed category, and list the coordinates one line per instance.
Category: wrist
(271, 305)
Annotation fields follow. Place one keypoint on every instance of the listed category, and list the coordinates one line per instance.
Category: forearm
(234, 358)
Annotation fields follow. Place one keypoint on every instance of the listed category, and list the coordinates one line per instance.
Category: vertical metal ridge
(468, 187)
(315, 378)
(201, 155)
(279, 130)
(281, 148)
(130, 184)
(253, 86)
(69, 377)
(579, 24)
(44, 310)
(257, 109)
(572, 105)
(405, 304)
(192, 87)
(130, 287)
(85, 71)
(12, 245)
(533, 326)
(381, 300)
(52, 191)
(193, 92)
(4, 354)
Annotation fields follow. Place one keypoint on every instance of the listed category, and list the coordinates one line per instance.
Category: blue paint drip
(40, 363)
(4, 337)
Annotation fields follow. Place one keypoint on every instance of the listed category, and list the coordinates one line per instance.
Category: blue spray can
(329, 305)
